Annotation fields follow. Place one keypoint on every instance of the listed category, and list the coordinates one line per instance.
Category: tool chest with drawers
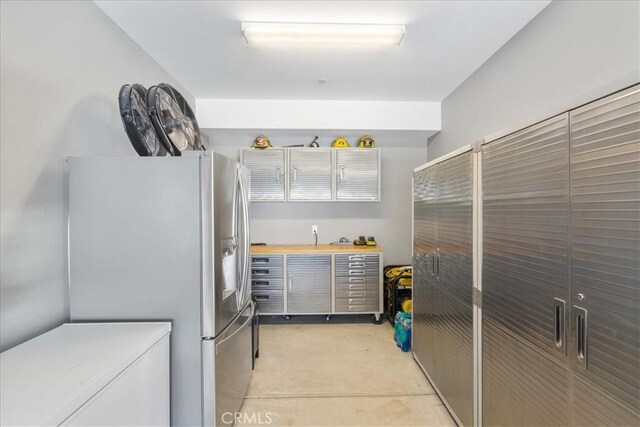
(320, 280)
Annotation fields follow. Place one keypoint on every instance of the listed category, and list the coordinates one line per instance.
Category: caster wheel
(376, 319)
(328, 317)
(286, 317)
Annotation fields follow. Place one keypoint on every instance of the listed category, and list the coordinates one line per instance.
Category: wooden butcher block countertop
(312, 249)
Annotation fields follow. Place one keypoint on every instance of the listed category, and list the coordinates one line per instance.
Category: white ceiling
(200, 44)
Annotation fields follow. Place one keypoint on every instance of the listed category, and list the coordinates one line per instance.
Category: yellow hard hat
(367, 141)
(340, 142)
(261, 142)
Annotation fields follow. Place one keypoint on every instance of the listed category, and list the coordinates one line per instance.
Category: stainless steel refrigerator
(168, 238)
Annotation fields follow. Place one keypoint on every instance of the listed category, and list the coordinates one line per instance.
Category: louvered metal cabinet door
(453, 317)
(605, 259)
(357, 174)
(525, 183)
(310, 174)
(455, 227)
(309, 284)
(267, 173)
(425, 244)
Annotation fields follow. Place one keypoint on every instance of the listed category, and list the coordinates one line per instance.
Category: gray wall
(62, 66)
(569, 54)
(389, 221)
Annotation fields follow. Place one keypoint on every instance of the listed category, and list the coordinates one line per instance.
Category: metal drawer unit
(357, 283)
(267, 283)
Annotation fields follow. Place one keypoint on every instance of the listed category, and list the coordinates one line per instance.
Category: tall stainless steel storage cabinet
(525, 183)
(443, 283)
(561, 269)
(556, 271)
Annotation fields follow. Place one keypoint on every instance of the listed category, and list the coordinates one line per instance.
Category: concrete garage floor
(339, 375)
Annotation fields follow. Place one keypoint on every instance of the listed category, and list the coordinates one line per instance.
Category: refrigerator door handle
(219, 346)
(234, 214)
(559, 330)
(246, 256)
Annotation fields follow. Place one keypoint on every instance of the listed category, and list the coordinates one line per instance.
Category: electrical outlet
(314, 229)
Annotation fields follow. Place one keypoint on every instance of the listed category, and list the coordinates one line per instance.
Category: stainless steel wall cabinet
(556, 271)
(314, 174)
(357, 174)
(310, 174)
(443, 310)
(268, 173)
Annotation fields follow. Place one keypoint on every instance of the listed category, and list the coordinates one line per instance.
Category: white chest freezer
(88, 374)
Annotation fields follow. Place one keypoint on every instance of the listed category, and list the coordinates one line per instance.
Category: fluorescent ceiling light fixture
(276, 32)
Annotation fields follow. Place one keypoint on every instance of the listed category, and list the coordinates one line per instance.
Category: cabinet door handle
(291, 284)
(341, 174)
(356, 294)
(356, 272)
(278, 175)
(357, 287)
(260, 271)
(559, 330)
(356, 279)
(433, 264)
(356, 258)
(260, 260)
(295, 174)
(356, 265)
(261, 296)
(581, 334)
(259, 283)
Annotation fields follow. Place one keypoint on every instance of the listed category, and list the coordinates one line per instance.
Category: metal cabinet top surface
(312, 249)
(44, 380)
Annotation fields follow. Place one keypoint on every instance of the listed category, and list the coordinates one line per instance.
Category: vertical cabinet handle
(559, 330)
(433, 263)
(438, 264)
(278, 175)
(581, 334)
(295, 174)
(291, 284)
(342, 174)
